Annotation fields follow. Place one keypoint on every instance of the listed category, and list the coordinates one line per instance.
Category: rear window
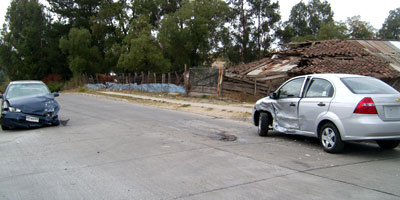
(368, 85)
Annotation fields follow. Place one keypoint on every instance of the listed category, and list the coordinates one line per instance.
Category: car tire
(330, 138)
(5, 127)
(263, 124)
(388, 144)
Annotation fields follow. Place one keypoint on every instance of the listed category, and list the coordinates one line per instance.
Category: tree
(332, 30)
(23, 41)
(319, 13)
(108, 29)
(191, 34)
(305, 21)
(142, 51)
(155, 9)
(83, 56)
(267, 16)
(75, 13)
(359, 29)
(391, 28)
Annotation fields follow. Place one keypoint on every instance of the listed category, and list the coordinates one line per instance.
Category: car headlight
(6, 106)
(50, 106)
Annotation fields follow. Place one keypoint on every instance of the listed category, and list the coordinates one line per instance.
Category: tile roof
(365, 57)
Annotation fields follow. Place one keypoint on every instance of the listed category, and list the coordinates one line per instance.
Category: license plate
(392, 111)
(32, 119)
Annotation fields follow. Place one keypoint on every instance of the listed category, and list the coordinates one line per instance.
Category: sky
(373, 11)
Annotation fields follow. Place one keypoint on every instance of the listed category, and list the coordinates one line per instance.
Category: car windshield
(26, 89)
(368, 85)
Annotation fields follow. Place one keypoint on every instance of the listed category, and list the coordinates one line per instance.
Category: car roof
(25, 82)
(332, 75)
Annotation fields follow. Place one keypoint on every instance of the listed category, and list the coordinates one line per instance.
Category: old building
(376, 58)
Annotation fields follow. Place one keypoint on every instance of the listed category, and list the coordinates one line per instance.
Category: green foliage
(143, 52)
(23, 41)
(3, 86)
(189, 35)
(306, 20)
(391, 28)
(332, 30)
(254, 23)
(83, 57)
(55, 86)
(359, 29)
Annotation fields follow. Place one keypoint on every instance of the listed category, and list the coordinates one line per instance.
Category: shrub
(3, 86)
(55, 86)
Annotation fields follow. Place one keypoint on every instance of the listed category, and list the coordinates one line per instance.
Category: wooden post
(220, 81)
(129, 77)
(177, 81)
(162, 78)
(169, 78)
(135, 78)
(155, 78)
(143, 78)
(186, 78)
(148, 77)
(255, 87)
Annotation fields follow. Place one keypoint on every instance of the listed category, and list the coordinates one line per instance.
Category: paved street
(114, 149)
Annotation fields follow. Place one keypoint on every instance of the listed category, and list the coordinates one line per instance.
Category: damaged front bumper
(23, 120)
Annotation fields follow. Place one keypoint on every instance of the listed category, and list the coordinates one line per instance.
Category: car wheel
(388, 144)
(330, 139)
(5, 127)
(263, 124)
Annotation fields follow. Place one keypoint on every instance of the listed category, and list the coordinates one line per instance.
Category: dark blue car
(28, 104)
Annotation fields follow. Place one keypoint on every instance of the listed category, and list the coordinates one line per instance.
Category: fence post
(135, 78)
(155, 78)
(169, 78)
(148, 77)
(186, 78)
(143, 78)
(177, 81)
(162, 78)
(220, 81)
(255, 87)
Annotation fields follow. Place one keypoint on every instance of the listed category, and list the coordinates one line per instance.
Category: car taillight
(366, 106)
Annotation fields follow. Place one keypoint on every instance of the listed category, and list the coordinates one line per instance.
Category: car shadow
(364, 148)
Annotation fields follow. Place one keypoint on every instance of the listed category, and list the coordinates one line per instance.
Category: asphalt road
(119, 150)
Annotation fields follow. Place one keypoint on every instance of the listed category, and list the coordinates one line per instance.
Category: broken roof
(380, 59)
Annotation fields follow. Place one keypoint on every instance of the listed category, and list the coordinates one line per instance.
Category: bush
(3, 86)
(55, 86)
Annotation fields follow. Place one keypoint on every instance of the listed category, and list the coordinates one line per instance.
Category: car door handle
(321, 104)
(292, 104)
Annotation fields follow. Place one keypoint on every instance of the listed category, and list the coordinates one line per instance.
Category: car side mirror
(273, 95)
(56, 94)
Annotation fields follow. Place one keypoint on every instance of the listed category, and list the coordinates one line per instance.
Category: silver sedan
(334, 108)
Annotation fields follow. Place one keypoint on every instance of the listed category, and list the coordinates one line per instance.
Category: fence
(202, 80)
(138, 78)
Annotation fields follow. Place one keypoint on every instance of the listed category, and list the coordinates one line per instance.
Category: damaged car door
(315, 104)
(286, 105)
